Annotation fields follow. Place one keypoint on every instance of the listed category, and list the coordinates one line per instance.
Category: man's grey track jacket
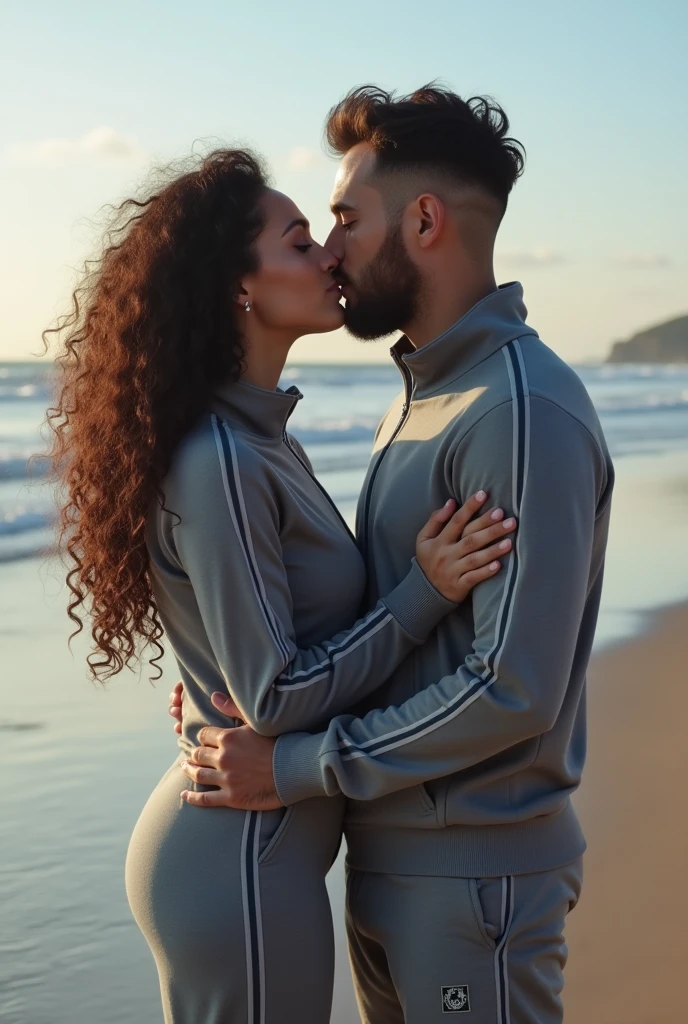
(465, 760)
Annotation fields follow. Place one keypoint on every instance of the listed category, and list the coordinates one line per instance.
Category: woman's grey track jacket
(259, 582)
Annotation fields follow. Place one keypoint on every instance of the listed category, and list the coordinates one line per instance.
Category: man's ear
(429, 217)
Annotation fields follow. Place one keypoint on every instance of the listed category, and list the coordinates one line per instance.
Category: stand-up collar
(489, 325)
(256, 410)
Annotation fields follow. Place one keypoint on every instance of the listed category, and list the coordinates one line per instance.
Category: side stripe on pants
(253, 925)
(500, 956)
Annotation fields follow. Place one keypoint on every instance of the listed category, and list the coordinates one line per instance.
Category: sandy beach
(627, 937)
(627, 940)
(83, 760)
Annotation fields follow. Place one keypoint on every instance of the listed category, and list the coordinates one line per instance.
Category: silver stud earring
(247, 306)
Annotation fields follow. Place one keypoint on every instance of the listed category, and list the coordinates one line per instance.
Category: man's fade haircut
(432, 128)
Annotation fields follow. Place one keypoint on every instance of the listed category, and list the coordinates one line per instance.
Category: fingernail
(480, 496)
(505, 545)
(494, 566)
(508, 523)
(497, 514)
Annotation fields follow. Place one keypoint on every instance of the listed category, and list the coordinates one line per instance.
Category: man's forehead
(353, 171)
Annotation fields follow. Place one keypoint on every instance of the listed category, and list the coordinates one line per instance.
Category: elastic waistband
(469, 851)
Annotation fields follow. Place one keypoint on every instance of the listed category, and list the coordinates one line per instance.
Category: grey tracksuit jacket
(251, 566)
(463, 763)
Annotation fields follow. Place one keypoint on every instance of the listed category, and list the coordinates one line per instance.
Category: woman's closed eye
(305, 247)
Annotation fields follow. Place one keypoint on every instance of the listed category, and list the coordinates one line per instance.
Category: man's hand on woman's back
(175, 708)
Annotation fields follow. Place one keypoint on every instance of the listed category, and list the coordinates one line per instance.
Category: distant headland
(665, 343)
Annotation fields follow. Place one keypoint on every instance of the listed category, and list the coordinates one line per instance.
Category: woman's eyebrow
(298, 222)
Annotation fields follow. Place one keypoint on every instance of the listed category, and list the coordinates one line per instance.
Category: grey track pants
(424, 947)
(234, 907)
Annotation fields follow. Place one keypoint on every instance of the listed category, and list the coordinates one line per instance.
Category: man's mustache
(340, 277)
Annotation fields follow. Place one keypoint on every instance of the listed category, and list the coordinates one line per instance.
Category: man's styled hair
(432, 128)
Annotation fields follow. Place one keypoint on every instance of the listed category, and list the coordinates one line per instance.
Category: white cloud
(642, 260)
(539, 256)
(99, 146)
(303, 158)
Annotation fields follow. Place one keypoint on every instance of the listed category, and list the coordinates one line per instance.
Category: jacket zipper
(408, 398)
(319, 486)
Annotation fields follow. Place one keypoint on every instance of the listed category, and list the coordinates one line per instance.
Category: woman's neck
(264, 360)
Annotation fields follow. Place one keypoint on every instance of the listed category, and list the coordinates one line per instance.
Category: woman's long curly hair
(152, 331)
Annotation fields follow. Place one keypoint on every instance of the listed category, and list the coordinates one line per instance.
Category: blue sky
(597, 92)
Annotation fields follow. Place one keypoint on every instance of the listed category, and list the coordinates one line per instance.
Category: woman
(191, 510)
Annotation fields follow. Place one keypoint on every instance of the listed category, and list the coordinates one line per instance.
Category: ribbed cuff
(416, 605)
(296, 767)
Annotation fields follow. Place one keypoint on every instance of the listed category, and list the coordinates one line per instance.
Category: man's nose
(334, 243)
(329, 261)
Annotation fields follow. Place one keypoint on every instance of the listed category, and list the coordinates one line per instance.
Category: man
(464, 851)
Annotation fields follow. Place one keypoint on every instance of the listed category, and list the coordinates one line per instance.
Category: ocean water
(644, 412)
(79, 760)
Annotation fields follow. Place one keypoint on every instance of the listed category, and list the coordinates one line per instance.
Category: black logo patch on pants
(455, 999)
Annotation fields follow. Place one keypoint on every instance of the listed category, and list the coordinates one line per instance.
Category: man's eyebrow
(341, 208)
(298, 222)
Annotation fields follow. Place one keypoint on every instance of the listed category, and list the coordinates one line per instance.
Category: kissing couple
(418, 687)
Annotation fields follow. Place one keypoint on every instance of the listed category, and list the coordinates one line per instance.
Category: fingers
(176, 712)
(210, 798)
(493, 515)
(436, 522)
(460, 520)
(211, 736)
(488, 534)
(202, 775)
(484, 557)
(227, 798)
(175, 707)
(476, 576)
(226, 705)
(207, 756)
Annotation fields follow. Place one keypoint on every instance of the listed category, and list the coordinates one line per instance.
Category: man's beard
(387, 295)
